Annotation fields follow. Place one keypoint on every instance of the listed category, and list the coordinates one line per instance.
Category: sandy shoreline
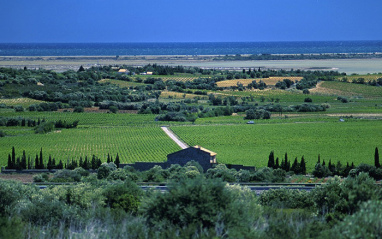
(62, 63)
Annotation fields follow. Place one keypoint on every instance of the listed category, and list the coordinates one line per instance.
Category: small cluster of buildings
(205, 157)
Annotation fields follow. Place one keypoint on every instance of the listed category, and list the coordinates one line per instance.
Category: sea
(188, 48)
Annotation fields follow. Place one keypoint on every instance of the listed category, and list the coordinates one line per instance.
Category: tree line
(39, 162)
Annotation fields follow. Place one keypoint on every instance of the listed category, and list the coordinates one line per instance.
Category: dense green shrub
(195, 202)
(125, 196)
(345, 197)
(365, 223)
(66, 175)
(221, 171)
(11, 192)
(105, 169)
(44, 128)
(286, 198)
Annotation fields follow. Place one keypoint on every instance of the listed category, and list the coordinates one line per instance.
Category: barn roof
(205, 150)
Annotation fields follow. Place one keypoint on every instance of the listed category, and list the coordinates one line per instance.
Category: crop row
(350, 141)
(131, 143)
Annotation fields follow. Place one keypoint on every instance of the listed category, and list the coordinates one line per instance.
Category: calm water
(217, 48)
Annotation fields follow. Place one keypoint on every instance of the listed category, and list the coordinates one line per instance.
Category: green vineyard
(349, 141)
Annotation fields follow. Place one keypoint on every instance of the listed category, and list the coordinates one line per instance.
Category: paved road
(174, 137)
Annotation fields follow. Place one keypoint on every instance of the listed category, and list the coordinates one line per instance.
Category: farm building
(205, 157)
(123, 71)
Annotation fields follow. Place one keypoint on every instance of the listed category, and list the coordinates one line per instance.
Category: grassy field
(133, 137)
(271, 81)
(367, 77)
(349, 141)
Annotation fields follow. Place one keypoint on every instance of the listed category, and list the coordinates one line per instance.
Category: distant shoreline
(63, 63)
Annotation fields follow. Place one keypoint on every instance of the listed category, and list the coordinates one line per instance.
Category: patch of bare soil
(22, 177)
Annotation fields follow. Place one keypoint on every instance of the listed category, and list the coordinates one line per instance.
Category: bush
(105, 169)
(366, 223)
(308, 100)
(44, 128)
(126, 196)
(12, 228)
(345, 197)
(81, 171)
(342, 99)
(11, 192)
(19, 108)
(66, 175)
(286, 198)
(113, 109)
(2, 133)
(202, 203)
(221, 171)
(78, 109)
(39, 178)
(257, 114)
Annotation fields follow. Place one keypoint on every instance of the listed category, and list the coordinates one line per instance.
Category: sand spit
(62, 63)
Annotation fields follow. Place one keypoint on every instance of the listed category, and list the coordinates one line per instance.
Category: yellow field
(166, 78)
(366, 77)
(25, 102)
(269, 81)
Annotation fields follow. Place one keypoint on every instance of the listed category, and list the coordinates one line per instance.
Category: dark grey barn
(205, 157)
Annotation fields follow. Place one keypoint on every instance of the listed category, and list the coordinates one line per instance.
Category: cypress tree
(81, 164)
(271, 160)
(41, 164)
(303, 165)
(24, 161)
(295, 167)
(86, 163)
(54, 163)
(29, 162)
(18, 164)
(117, 162)
(94, 165)
(319, 159)
(277, 165)
(98, 163)
(323, 162)
(60, 165)
(282, 166)
(9, 166)
(287, 163)
(36, 163)
(376, 158)
(108, 158)
(49, 166)
(13, 157)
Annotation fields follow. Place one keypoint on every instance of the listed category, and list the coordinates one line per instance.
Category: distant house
(251, 122)
(149, 73)
(123, 71)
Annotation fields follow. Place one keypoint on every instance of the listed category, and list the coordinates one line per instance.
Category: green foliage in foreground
(191, 208)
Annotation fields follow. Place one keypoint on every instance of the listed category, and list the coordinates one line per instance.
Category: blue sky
(25, 21)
